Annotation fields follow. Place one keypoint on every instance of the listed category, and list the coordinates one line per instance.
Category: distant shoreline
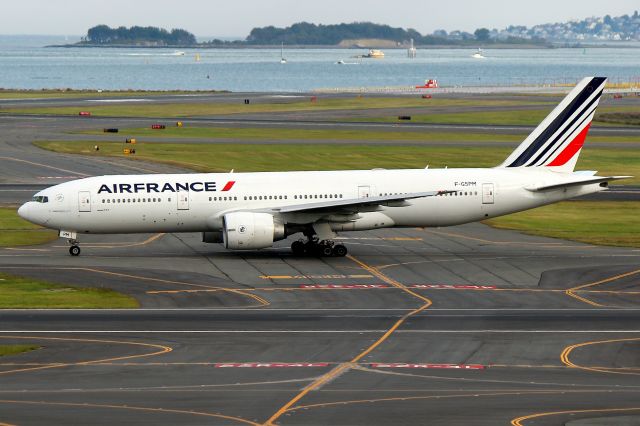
(301, 46)
(610, 45)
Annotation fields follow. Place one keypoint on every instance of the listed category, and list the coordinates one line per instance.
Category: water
(26, 64)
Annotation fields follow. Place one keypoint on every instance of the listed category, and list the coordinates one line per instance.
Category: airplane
(249, 211)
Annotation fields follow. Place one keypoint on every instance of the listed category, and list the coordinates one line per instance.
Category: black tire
(74, 251)
(298, 248)
(339, 250)
(326, 251)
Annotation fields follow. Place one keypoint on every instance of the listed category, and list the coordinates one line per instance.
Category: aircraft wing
(356, 203)
(596, 179)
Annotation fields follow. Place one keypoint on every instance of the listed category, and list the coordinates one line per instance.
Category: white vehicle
(247, 211)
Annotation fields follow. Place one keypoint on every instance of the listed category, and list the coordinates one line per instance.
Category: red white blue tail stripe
(557, 141)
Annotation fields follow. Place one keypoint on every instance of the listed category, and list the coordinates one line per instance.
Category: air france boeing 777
(247, 211)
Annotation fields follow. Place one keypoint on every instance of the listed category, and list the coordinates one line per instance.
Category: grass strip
(16, 349)
(275, 134)
(15, 231)
(613, 223)
(28, 293)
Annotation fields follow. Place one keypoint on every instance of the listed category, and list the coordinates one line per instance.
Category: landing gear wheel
(298, 248)
(339, 250)
(327, 250)
(74, 250)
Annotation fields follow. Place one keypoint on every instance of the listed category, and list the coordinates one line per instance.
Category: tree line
(305, 33)
(103, 34)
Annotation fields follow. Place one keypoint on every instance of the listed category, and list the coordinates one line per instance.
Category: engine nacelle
(248, 231)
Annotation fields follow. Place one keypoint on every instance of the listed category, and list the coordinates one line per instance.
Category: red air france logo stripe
(571, 149)
(229, 185)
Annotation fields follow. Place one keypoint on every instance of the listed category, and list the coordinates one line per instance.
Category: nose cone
(26, 212)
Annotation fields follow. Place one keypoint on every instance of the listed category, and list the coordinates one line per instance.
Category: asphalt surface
(462, 325)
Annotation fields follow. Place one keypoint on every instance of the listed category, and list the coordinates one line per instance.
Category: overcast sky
(236, 18)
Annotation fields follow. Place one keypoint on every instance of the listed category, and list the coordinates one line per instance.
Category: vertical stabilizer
(558, 139)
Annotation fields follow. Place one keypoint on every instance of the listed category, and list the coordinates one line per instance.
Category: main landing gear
(314, 247)
(74, 250)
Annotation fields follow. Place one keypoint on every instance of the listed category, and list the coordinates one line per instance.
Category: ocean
(26, 64)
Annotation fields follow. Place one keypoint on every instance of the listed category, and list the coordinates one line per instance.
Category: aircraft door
(183, 200)
(364, 191)
(84, 201)
(487, 193)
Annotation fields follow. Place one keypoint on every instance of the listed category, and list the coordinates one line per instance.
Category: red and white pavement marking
(344, 286)
(418, 286)
(269, 364)
(440, 366)
(454, 286)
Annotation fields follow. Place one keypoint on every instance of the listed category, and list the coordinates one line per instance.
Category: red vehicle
(429, 84)
(84, 114)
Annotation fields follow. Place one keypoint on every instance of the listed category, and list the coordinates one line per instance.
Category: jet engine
(248, 230)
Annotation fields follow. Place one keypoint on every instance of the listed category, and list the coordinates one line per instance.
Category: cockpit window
(40, 199)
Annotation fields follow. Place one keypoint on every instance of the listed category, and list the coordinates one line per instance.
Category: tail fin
(557, 141)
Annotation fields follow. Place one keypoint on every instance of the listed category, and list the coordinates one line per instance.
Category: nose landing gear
(74, 250)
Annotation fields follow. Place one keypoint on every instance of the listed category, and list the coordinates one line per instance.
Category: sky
(206, 18)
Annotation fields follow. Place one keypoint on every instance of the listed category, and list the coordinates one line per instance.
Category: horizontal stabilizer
(590, 181)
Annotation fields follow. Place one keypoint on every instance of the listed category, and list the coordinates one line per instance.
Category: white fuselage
(197, 202)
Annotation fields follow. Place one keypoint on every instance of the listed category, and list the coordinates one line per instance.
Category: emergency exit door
(364, 191)
(84, 201)
(183, 200)
(487, 193)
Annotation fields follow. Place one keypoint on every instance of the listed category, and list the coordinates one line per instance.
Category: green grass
(282, 157)
(15, 231)
(615, 223)
(198, 109)
(16, 349)
(621, 118)
(27, 293)
(276, 134)
(273, 157)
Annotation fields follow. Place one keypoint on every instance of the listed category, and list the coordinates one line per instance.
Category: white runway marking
(117, 100)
